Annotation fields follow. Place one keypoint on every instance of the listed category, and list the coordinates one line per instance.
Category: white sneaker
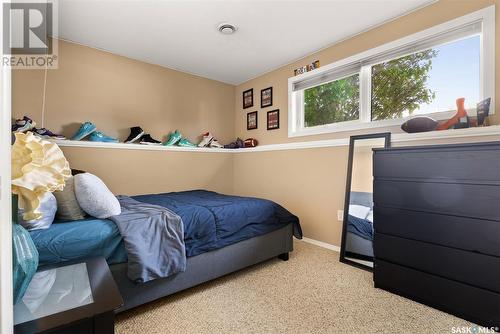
(215, 144)
(207, 139)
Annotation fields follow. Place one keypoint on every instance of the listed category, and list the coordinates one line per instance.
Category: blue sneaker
(99, 136)
(86, 129)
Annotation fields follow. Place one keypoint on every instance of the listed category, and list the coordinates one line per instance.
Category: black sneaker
(147, 140)
(135, 134)
(45, 133)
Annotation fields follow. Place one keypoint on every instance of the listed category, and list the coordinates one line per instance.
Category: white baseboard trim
(322, 244)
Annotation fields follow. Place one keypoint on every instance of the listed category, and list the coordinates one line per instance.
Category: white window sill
(359, 125)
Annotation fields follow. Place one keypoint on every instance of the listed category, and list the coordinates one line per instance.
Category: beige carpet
(311, 293)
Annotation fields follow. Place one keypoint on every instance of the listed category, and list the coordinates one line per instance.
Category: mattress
(79, 239)
(211, 221)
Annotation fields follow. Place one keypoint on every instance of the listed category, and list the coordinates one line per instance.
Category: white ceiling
(183, 34)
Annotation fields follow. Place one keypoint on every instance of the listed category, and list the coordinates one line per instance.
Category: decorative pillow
(358, 211)
(94, 197)
(48, 208)
(67, 205)
(370, 216)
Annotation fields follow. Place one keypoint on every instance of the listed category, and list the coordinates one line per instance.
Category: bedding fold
(360, 227)
(212, 220)
(153, 238)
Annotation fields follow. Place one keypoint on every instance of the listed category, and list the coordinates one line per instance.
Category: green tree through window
(401, 85)
(333, 102)
(397, 86)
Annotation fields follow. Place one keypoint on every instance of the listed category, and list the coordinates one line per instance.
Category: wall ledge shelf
(482, 132)
(125, 146)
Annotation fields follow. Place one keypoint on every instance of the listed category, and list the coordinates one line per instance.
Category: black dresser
(437, 227)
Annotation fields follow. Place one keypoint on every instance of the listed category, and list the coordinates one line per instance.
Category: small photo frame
(273, 119)
(248, 98)
(252, 120)
(266, 97)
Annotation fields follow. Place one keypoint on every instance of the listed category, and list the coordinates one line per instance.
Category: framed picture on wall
(273, 119)
(248, 98)
(266, 97)
(252, 120)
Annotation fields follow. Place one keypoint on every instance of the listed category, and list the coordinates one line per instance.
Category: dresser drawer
(458, 162)
(471, 303)
(467, 200)
(470, 234)
(467, 267)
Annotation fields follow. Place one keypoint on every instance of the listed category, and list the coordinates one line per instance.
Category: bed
(222, 234)
(359, 236)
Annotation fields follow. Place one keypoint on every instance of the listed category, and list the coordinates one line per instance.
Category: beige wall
(116, 93)
(311, 183)
(133, 172)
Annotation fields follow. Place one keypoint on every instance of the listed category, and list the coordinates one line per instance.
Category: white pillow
(94, 197)
(358, 211)
(370, 216)
(48, 208)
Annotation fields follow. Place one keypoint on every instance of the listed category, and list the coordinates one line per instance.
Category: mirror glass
(357, 234)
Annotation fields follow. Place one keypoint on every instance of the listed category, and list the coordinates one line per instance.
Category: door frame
(6, 294)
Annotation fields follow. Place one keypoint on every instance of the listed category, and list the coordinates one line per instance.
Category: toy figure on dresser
(483, 111)
(459, 121)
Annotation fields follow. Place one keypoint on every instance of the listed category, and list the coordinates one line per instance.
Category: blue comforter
(211, 221)
(360, 227)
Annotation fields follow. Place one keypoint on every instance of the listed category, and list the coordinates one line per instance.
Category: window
(426, 82)
(336, 101)
(422, 74)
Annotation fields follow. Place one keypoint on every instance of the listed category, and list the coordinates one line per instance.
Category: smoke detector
(227, 28)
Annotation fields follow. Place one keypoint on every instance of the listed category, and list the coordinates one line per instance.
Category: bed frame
(205, 267)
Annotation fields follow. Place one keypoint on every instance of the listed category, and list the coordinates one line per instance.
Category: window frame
(296, 126)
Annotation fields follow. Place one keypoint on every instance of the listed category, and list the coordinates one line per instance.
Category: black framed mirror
(357, 231)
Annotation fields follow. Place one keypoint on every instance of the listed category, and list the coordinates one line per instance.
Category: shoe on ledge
(47, 134)
(173, 139)
(135, 134)
(23, 125)
(186, 143)
(147, 140)
(206, 140)
(215, 144)
(101, 137)
(84, 130)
